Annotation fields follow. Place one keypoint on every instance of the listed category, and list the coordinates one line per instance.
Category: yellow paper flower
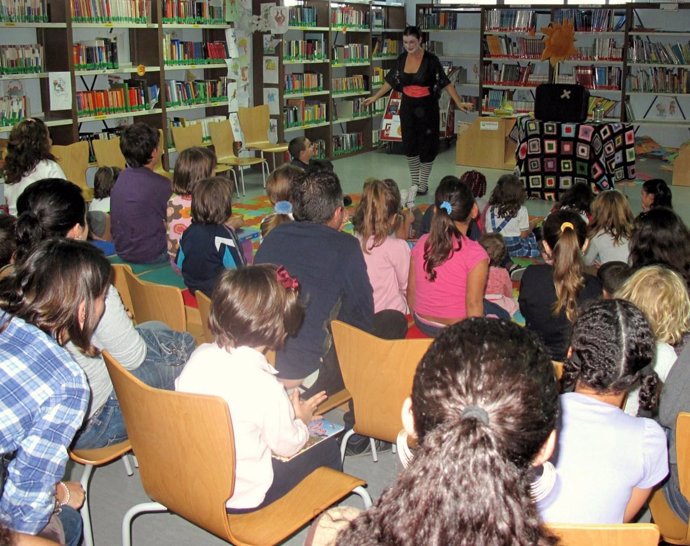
(559, 42)
(141, 70)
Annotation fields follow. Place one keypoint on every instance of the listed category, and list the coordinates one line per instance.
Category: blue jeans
(72, 525)
(490, 308)
(166, 353)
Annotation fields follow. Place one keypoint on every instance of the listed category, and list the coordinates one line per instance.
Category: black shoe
(357, 445)
(422, 191)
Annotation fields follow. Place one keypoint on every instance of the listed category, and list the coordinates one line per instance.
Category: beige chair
(107, 152)
(378, 374)
(223, 142)
(673, 529)
(204, 303)
(185, 448)
(254, 123)
(74, 161)
(120, 283)
(621, 534)
(189, 136)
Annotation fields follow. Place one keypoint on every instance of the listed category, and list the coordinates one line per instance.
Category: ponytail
(377, 214)
(29, 233)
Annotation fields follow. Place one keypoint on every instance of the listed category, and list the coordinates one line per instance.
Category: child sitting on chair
(254, 309)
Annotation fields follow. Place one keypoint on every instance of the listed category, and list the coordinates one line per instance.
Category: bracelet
(69, 495)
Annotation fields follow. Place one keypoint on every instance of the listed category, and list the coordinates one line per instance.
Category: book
(319, 430)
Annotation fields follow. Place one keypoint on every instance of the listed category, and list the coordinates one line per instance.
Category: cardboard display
(486, 144)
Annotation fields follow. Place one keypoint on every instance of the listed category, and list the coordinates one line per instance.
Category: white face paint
(411, 44)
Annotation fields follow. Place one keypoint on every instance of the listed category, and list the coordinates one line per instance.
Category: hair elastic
(286, 279)
(446, 206)
(283, 207)
(567, 225)
(475, 412)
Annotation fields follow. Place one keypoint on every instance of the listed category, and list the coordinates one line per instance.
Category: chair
(120, 284)
(107, 152)
(254, 123)
(673, 529)
(204, 303)
(615, 534)
(92, 458)
(74, 162)
(189, 136)
(185, 447)
(378, 374)
(223, 142)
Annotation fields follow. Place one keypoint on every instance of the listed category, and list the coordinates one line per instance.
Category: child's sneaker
(516, 271)
(411, 194)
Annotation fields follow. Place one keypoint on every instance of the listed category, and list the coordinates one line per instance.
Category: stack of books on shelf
(379, 107)
(13, 110)
(23, 11)
(518, 47)
(591, 20)
(350, 53)
(95, 54)
(111, 11)
(312, 49)
(602, 49)
(349, 17)
(350, 109)
(350, 84)
(302, 16)
(130, 96)
(197, 12)
(377, 77)
(347, 143)
(180, 52)
(509, 74)
(188, 93)
(440, 20)
(510, 20)
(659, 80)
(646, 51)
(385, 47)
(599, 77)
(300, 112)
(21, 59)
(183, 122)
(319, 148)
(303, 83)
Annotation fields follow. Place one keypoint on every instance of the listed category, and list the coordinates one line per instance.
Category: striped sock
(413, 165)
(425, 171)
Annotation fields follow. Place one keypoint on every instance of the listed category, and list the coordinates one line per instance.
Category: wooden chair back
(204, 303)
(254, 123)
(74, 161)
(120, 284)
(185, 447)
(621, 534)
(557, 369)
(222, 138)
(378, 374)
(187, 137)
(152, 301)
(108, 154)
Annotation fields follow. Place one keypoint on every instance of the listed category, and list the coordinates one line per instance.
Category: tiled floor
(112, 492)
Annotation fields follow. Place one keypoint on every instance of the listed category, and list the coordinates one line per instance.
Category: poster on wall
(278, 19)
(60, 85)
(271, 100)
(270, 70)
(390, 124)
(233, 103)
(273, 130)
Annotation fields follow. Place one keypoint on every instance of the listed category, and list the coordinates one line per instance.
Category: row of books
(518, 47)
(23, 11)
(350, 53)
(440, 20)
(375, 137)
(509, 74)
(646, 51)
(21, 59)
(385, 46)
(130, 96)
(107, 134)
(602, 49)
(193, 12)
(378, 18)
(350, 84)
(349, 16)
(298, 112)
(599, 77)
(95, 54)
(302, 16)
(354, 108)
(187, 93)
(177, 121)
(591, 20)
(13, 109)
(659, 80)
(347, 143)
(499, 99)
(510, 20)
(182, 52)
(302, 83)
(312, 49)
(377, 78)
(116, 11)
(319, 148)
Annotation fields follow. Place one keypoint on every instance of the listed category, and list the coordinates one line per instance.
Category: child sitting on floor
(499, 287)
(254, 309)
(209, 245)
(279, 189)
(103, 183)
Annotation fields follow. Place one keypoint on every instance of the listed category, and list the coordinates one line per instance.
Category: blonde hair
(377, 214)
(662, 296)
(279, 188)
(611, 213)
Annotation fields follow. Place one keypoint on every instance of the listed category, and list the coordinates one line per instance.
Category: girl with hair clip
(483, 409)
(610, 229)
(655, 193)
(448, 271)
(253, 311)
(508, 216)
(152, 352)
(660, 294)
(551, 293)
(54, 297)
(660, 237)
(279, 191)
(28, 159)
(192, 165)
(607, 461)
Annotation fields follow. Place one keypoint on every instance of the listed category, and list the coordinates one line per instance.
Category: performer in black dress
(420, 77)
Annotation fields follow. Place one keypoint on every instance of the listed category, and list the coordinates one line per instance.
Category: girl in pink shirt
(499, 287)
(448, 271)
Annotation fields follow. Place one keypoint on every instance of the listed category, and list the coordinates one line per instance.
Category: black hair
(508, 196)
(8, 240)
(316, 197)
(138, 142)
(661, 192)
(578, 198)
(296, 146)
(411, 30)
(612, 275)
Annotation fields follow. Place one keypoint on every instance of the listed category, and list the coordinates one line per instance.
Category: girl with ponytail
(448, 271)
(483, 409)
(607, 461)
(550, 293)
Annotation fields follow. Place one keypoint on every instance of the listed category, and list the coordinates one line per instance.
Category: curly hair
(476, 181)
(445, 237)
(377, 214)
(29, 144)
(495, 247)
(611, 343)
(578, 198)
(472, 473)
(661, 192)
(508, 196)
(611, 213)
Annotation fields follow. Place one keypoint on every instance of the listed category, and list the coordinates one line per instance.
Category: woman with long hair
(483, 410)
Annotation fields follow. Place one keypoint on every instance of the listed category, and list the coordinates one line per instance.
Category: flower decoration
(559, 42)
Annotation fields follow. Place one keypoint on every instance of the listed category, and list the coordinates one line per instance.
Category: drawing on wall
(271, 74)
(278, 19)
(60, 85)
(271, 99)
